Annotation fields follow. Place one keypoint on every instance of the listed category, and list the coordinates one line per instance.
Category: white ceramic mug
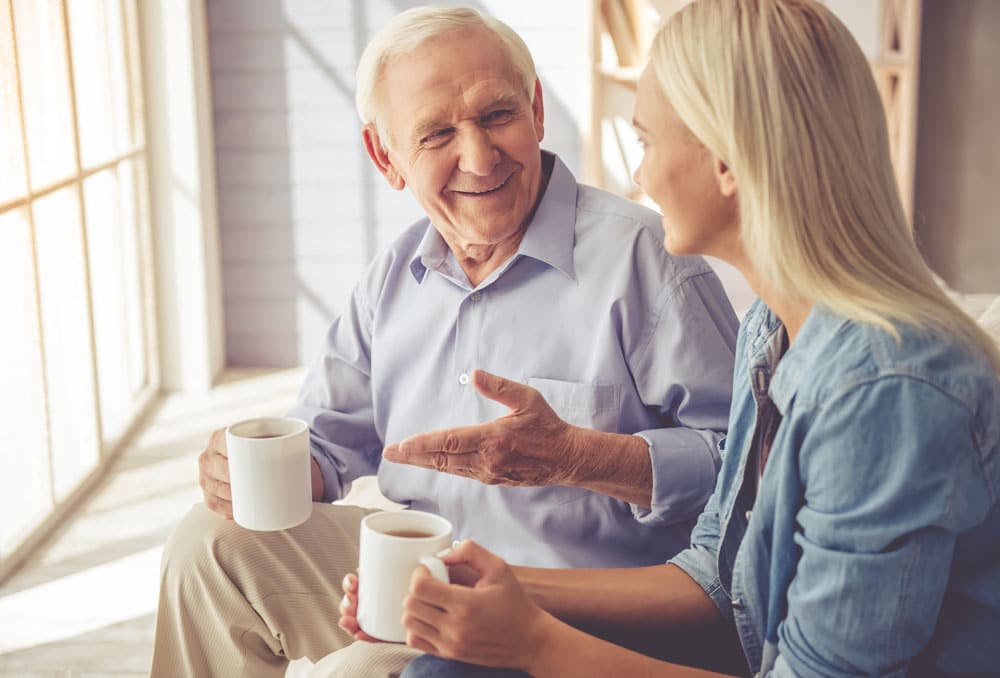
(269, 473)
(390, 552)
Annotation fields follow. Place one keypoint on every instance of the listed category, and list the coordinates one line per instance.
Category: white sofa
(985, 308)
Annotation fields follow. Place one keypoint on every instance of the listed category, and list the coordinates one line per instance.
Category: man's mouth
(487, 191)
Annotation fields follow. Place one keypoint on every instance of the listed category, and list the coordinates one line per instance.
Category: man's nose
(477, 153)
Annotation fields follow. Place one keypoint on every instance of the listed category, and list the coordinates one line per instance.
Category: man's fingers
(454, 450)
(217, 467)
(463, 439)
(217, 442)
(222, 490)
(220, 506)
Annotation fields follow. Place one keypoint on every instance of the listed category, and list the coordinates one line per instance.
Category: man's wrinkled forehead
(424, 98)
(456, 103)
(419, 72)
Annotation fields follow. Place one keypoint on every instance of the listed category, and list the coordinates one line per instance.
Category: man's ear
(380, 156)
(727, 180)
(538, 110)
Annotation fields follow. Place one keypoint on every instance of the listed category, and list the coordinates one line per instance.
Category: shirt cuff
(701, 565)
(684, 462)
(332, 489)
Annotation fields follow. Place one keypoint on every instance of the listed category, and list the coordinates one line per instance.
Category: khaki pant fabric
(234, 602)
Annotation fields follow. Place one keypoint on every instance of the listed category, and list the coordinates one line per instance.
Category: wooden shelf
(627, 75)
(621, 31)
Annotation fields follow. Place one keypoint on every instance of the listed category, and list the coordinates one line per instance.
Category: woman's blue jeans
(715, 647)
(429, 666)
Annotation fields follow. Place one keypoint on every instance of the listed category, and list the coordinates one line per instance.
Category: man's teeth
(488, 190)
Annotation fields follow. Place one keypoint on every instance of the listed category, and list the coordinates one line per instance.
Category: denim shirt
(873, 544)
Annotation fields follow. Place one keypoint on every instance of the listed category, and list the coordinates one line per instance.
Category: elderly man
(588, 439)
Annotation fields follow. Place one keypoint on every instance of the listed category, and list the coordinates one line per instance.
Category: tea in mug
(409, 534)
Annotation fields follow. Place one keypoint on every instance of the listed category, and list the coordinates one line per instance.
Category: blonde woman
(855, 526)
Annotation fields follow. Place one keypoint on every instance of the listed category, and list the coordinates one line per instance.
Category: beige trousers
(234, 602)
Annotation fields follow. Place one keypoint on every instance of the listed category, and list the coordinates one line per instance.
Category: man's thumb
(504, 391)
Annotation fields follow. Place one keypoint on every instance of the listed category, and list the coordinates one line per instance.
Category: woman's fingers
(473, 556)
(349, 605)
(424, 612)
(426, 588)
(421, 629)
(418, 643)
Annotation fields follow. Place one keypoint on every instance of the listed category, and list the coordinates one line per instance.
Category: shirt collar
(549, 237)
(810, 343)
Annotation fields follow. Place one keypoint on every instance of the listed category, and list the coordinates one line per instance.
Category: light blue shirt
(873, 545)
(616, 334)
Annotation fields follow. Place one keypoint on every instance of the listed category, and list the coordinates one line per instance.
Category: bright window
(77, 356)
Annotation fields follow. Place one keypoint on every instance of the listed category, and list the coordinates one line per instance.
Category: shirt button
(463, 379)
(737, 604)
(748, 514)
(476, 296)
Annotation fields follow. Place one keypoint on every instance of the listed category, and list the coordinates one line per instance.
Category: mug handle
(436, 567)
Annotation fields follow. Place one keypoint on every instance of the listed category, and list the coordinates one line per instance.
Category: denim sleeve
(686, 371)
(701, 560)
(891, 475)
(336, 402)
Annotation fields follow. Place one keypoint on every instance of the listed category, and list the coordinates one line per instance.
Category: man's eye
(437, 137)
(498, 117)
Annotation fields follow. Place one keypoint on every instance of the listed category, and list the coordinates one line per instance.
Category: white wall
(182, 193)
(300, 208)
(956, 203)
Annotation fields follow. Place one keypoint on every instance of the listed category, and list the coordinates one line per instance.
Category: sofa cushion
(990, 320)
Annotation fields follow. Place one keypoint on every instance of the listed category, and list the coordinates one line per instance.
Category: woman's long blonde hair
(781, 93)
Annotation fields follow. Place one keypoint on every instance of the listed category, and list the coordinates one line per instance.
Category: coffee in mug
(270, 472)
(409, 534)
(393, 545)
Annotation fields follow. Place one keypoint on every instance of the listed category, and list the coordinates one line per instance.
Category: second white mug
(393, 544)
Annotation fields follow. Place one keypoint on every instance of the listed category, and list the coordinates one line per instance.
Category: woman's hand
(493, 623)
(459, 574)
(349, 610)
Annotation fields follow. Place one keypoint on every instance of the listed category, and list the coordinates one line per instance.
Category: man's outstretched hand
(529, 446)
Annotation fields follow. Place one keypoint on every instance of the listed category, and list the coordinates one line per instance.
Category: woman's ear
(379, 154)
(727, 180)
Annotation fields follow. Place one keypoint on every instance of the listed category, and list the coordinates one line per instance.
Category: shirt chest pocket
(595, 406)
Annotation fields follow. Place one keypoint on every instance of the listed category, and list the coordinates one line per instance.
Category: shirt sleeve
(891, 477)
(336, 402)
(700, 561)
(684, 369)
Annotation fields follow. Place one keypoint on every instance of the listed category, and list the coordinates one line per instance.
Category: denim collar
(549, 238)
(809, 346)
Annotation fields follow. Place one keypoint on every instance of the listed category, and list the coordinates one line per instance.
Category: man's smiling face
(463, 136)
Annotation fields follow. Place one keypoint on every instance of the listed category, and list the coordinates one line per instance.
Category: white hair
(410, 29)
